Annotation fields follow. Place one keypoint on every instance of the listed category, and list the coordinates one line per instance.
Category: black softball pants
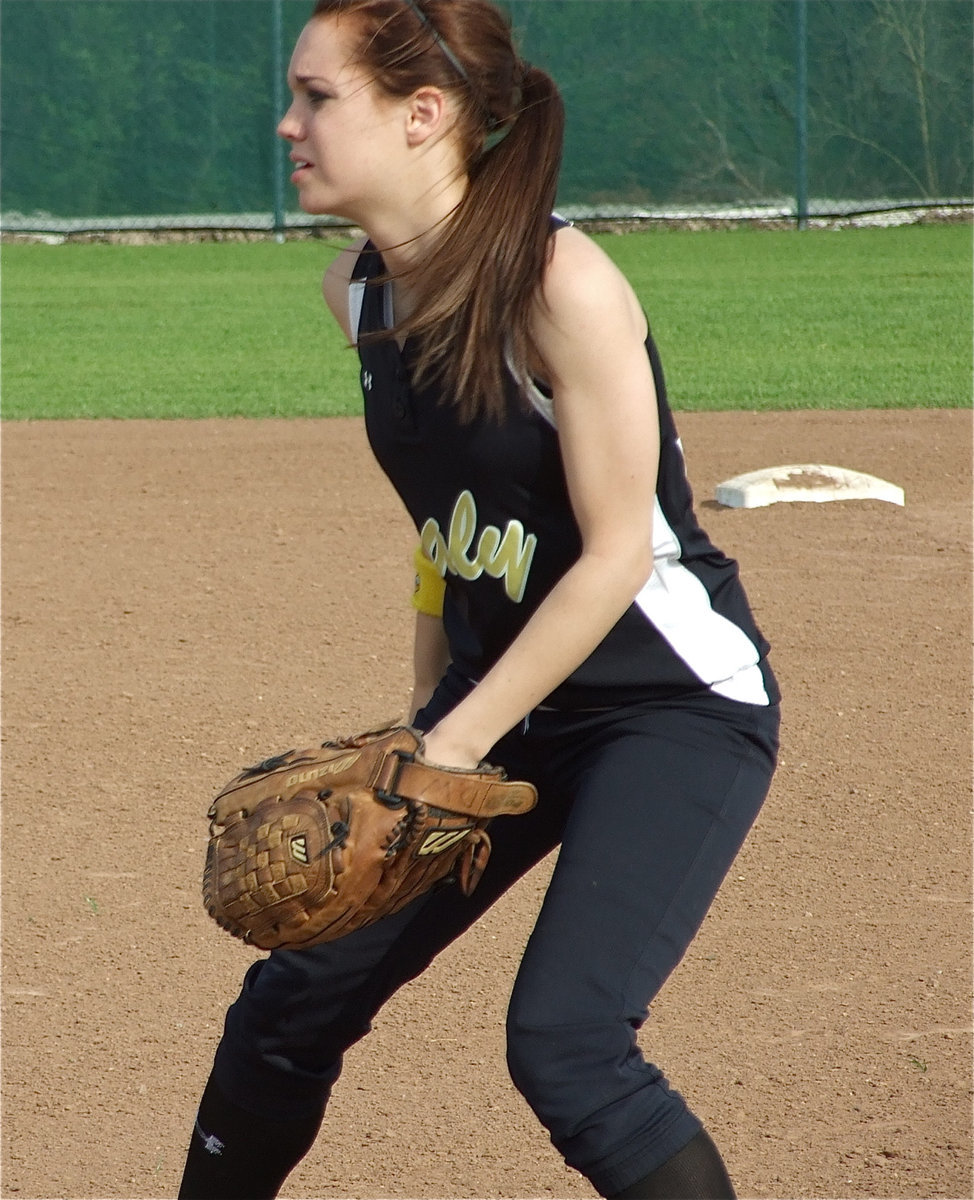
(650, 803)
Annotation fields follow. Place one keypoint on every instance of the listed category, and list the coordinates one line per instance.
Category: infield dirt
(180, 598)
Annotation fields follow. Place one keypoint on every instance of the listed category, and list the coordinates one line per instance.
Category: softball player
(574, 623)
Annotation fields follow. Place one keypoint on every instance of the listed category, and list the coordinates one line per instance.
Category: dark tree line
(118, 107)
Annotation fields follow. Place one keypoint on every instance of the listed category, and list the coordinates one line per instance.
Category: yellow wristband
(429, 588)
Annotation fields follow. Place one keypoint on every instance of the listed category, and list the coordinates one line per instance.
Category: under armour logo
(367, 380)
(211, 1143)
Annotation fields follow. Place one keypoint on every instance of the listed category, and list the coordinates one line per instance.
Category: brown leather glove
(309, 845)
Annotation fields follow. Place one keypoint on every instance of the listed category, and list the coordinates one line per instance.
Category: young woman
(574, 623)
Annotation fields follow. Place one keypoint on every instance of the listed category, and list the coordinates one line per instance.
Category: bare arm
(431, 654)
(431, 657)
(590, 332)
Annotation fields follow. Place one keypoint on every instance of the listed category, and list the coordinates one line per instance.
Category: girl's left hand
(442, 753)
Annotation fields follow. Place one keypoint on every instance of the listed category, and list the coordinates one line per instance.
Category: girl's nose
(289, 127)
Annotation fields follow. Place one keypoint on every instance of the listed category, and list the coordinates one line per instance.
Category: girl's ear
(426, 116)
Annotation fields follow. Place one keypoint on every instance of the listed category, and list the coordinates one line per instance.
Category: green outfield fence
(136, 114)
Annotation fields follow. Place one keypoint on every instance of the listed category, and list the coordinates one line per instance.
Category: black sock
(697, 1172)
(234, 1155)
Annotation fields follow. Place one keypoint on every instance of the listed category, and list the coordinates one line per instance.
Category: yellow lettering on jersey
(504, 556)
(463, 528)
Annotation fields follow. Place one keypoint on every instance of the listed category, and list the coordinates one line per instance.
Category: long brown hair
(474, 293)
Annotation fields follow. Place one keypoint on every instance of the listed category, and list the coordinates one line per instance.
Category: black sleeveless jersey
(491, 506)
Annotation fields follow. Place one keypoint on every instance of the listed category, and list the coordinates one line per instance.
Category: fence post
(801, 113)
(277, 91)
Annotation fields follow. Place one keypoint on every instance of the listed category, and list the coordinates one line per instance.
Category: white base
(804, 482)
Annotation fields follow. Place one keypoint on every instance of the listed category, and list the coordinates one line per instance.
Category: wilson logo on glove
(291, 863)
(440, 840)
(299, 849)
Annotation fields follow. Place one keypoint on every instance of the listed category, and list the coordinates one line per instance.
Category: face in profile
(345, 134)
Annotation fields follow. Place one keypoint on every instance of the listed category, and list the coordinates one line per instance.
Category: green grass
(853, 318)
(171, 331)
(749, 319)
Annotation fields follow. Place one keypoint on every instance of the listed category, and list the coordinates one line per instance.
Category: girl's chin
(320, 205)
(312, 207)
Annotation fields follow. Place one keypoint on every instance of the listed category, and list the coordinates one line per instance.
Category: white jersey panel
(356, 299)
(678, 605)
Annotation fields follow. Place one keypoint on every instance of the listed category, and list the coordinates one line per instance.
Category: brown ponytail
(474, 294)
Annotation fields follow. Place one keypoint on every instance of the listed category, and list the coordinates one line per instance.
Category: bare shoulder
(573, 248)
(334, 284)
(584, 291)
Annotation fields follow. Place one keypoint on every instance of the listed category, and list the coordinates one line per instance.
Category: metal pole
(277, 91)
(801, 113)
